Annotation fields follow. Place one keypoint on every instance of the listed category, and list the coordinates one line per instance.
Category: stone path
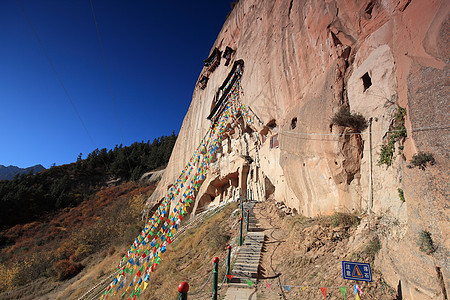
(247, 261)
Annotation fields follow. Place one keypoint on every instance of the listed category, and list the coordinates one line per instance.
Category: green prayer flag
(123, 294)
(343, 291)
(249, 282)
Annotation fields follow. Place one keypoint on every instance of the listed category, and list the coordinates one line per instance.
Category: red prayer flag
(324, 292)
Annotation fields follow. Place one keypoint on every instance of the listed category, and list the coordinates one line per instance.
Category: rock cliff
(303, 61)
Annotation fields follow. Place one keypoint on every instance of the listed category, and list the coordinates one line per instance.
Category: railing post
(248, 219)
(183, 289)
(228, 263)
(242, 209)
(240, 232)
(215, 277)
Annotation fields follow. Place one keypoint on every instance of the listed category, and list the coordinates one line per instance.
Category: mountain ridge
(8, 172)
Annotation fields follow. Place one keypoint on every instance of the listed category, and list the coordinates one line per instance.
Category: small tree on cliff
(347, 119)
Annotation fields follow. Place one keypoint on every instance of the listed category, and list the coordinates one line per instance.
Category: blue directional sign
(356, 271)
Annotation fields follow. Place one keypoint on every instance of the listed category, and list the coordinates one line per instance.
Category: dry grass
(302, 251)
(190, 257)
(55, 249)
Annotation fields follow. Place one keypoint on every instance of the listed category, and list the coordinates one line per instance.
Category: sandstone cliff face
(303, 60)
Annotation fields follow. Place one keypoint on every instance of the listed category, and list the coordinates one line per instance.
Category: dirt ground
(302, 255)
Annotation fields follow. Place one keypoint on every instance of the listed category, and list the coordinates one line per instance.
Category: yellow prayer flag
(145, 286)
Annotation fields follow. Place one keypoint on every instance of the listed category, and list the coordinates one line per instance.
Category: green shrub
(343, 219)
(426, 242)
(421, 160)
(386, 154)
(345, 118)
(369, 252)
(401, 195)
(65, 269)
(111, 250)
(372, 248)
(397, 132)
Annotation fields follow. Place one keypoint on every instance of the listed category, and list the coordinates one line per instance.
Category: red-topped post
(228, 263)
(215, 277)
(183, 289)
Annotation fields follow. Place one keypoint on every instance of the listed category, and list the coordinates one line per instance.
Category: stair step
(246, 273)
(253, 265)
(240, 285)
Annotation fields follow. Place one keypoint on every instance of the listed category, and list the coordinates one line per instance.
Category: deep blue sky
(154, 52)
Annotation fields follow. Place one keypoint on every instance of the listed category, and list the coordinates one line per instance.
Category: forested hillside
(29, 196)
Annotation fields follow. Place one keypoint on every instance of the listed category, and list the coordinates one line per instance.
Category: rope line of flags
(146, 252)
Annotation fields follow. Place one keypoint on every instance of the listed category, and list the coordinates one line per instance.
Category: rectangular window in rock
(367, 81)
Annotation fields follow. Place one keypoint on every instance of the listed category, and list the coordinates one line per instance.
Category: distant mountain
(8, 173)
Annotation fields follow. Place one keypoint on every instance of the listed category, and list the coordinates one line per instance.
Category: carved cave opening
(294, 123)
(367, 81)
(227, 55)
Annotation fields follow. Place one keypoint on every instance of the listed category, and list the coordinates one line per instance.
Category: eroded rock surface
(303, 60)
